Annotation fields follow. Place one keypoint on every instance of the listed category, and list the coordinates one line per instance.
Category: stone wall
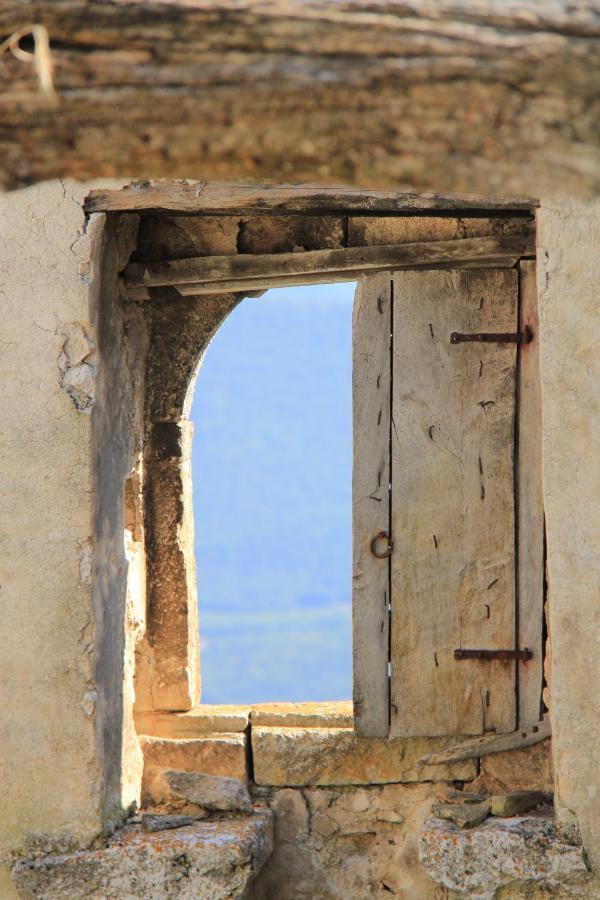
(568, 279)
(72, 567)
(63, 659)
(51, 770)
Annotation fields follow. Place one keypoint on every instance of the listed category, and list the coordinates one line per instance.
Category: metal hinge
(516, 337)
(522, 655)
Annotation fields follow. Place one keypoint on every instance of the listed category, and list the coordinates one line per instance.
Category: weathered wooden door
(448, 529)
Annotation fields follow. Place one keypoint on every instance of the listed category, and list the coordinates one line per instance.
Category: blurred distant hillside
(272, 467)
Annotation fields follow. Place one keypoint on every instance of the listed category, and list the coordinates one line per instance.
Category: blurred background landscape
(272, 468)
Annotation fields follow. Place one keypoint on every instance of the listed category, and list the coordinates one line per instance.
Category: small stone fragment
(453, 796)
(516, 803)
(465, 815)
(162, 823)
(210, 791)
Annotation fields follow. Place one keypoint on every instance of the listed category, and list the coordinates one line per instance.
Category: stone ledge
(301, 757)
(478, 862)
(214, 860)
(338, 714)
(200, 721)
(208, 719)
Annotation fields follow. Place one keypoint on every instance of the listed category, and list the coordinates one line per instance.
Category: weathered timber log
(485, 744)
(460, 94)
(226, 198)
(225, 268)
(256, 286)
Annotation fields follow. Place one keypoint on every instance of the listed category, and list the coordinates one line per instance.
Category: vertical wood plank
(452, 503)
(530, 570)
(370, 502)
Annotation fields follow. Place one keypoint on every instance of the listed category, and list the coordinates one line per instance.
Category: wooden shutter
(455, 428)
(453, 506)
(371, 327)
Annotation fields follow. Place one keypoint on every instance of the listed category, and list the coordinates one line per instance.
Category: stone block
(209, 791)
(465, 815)
(215, 860)
(165, 822)
(478, 861)
(182, 237)
(336, 756)
(219, 754)
(367, 231)
(526, 769)
(202, 720)
(304, 715)
(284, 234)
(516, 803)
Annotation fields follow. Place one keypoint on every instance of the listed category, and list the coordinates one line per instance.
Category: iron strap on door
(512, 337)
(522, 655)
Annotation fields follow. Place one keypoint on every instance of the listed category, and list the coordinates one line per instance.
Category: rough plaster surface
(569, 279)
(48, 275)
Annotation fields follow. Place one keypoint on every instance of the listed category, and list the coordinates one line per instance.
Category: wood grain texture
(371, 327)
(420, 253)
(468, 94)
(486, 744)
(530, 571)
(452, 503)
(226, 198)
(262, 283)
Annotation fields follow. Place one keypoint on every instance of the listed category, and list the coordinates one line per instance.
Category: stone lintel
(297, 757)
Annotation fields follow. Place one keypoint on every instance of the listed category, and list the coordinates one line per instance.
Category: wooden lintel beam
(244, 285)
(222, 198)
(214, 269)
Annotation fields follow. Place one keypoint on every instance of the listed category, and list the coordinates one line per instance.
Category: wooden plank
(485, 744)
(530, 502)
(266, 282)
(225, 198)
(220, 268)
(370, 502)
(452, 503)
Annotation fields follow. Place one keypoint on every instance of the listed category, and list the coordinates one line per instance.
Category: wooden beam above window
(223, 198)
(211, 274)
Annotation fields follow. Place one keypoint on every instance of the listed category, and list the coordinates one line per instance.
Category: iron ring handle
(382, 535)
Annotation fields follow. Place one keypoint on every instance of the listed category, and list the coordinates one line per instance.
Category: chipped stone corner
(78, 366)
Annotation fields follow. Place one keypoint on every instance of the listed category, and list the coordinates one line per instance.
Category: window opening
(272, 471)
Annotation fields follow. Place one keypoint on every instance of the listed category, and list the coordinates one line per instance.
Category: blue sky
(272, 465)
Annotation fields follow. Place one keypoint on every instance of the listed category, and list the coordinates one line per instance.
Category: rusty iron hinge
(522, 655)
(515, 337)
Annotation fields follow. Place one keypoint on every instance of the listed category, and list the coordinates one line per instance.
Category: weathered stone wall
(568, 279)
(348, 842)
(362, 840)
(65, 410)
(51, 771)
(72, 568)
